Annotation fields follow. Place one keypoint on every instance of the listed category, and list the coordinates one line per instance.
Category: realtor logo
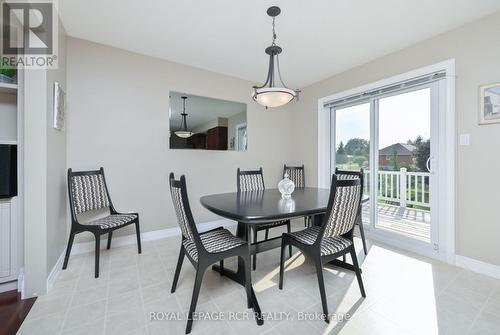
(29, 33)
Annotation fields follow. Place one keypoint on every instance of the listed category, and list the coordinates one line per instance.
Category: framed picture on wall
(489, 104)
(59, 107)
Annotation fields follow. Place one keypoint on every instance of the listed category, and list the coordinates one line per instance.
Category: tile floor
(406, 294)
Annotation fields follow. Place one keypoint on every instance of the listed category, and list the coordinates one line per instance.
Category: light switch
(464, 139)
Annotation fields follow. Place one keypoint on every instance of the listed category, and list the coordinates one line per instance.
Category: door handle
(431, 164)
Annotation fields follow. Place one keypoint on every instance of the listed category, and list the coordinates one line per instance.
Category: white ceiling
(319, 38)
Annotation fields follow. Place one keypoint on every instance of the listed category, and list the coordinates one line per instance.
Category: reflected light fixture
(268, 94)
(183, 132)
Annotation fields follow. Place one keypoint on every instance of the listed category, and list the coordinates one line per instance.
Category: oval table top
(267, 205)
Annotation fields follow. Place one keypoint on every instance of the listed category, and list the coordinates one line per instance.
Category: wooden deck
(414, 223)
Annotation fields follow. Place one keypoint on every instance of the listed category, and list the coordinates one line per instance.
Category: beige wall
(45, 228)
(35, 183)
(56, 165)
(476, 49)
(118, 119)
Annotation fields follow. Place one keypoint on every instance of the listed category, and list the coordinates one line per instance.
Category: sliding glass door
(403, 171)
(393, 137)
(352, 143)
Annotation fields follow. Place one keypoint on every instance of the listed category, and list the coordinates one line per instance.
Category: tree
(341, 155)
(394, 159)
(422, 152)
(357, 147)
(418, 141)
(340, 150)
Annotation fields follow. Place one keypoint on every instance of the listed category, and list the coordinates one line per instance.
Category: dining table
(251, 208)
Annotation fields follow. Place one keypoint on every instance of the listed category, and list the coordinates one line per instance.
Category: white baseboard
(8, 286)
(20, 282)
(14, 284)
(86, 247)
(51, 279)
(478, 266)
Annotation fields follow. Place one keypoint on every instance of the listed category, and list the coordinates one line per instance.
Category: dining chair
(204, 249)
(88, 192)
(253, 180)
(350, 174)
(297, 175)
(334, 238)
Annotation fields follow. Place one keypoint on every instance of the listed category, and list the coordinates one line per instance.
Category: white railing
(413, 191)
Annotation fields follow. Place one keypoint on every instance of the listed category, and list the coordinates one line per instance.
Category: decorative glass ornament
(287, 205)
(286, 187)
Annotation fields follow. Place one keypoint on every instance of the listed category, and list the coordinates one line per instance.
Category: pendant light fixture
(268, 94)
(183, 132)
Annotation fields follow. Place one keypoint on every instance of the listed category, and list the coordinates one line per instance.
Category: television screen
(8, 170)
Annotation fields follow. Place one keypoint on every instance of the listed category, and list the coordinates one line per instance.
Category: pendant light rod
(184, 114)
(183, 132)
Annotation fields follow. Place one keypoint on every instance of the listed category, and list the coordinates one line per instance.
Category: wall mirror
(205, 123)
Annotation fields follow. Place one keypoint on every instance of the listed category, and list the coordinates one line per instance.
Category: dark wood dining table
(254, 207)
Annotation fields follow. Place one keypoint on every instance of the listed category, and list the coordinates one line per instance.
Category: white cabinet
(5, 240)
(11, 214)
(9, 267)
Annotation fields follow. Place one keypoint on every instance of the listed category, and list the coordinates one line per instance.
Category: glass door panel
(352, 144)
(403, 196)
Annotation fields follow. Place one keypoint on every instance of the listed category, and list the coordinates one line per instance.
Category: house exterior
(405, 154)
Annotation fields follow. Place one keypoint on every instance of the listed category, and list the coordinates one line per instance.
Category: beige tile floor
(406, 294)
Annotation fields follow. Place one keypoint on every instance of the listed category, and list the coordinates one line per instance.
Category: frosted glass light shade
(273, 96)
(184, 133)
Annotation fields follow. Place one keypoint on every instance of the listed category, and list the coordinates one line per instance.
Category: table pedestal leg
(239, 275)
(317, 220)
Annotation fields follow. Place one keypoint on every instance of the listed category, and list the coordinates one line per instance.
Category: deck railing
(403, 187)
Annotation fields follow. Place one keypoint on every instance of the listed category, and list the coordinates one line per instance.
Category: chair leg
(68, 249)
(267, 234)
(138, 233)
(178, 269)
(248, 279)
(305, 221)
(362, 233)
(221, 266)
(321, 284)
(194, 300)
(358, 272)
(97, 252)
(282, 263)
(289, 230)
(110, 235)
(254, 256)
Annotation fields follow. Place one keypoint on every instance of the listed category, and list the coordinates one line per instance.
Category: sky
(401, 117)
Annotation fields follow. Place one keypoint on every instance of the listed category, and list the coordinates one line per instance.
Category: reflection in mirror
(205, 123)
